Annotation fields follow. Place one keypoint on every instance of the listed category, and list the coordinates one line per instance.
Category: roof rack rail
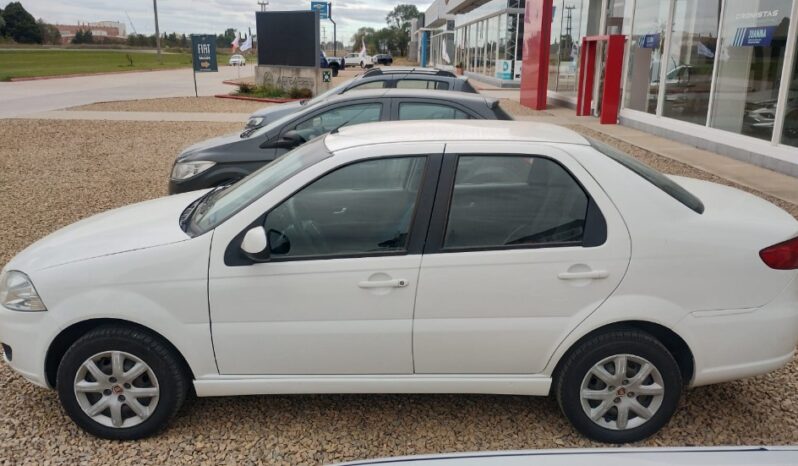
(409, 69)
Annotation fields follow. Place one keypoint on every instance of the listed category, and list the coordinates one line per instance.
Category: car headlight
(185, 170)
(18, 293)
(255, 122)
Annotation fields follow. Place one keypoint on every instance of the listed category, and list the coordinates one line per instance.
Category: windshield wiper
(188, 214)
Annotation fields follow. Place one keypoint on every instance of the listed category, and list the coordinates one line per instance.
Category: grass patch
(272, 92)
(26, 63)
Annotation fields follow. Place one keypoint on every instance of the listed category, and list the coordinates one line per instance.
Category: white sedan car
(413, 257)
(237, 60)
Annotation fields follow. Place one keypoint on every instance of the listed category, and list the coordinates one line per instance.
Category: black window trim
(419, 226)
(595, 233)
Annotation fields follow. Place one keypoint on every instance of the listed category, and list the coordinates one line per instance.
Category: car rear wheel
(619, 387)
(121, 383)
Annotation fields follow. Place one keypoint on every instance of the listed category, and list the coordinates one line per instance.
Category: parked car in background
(377, 78)
(226, 159)
(382, 59)
(355, 59)
(237, 60)
(413, 257)
(333, 63)
(703, 456)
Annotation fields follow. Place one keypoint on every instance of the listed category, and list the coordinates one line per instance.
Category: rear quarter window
(654, 177)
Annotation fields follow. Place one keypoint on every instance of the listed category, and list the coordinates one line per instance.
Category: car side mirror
(255, 245)
(288, 140)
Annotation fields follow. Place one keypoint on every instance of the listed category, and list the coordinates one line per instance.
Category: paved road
(140, 116)
(18, 99)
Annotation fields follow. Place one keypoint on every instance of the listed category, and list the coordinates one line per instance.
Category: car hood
(274, 112)
(133, 227)
(211, 143)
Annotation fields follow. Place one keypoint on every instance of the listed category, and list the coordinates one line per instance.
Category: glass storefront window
(691, 59)
(789, 134)
(645, 55)
(555, 44)
(753, 43)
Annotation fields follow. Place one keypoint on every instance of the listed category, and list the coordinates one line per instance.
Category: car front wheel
(619, 387)
(121, 383)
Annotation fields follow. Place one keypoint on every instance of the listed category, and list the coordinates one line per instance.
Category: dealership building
(718, 74)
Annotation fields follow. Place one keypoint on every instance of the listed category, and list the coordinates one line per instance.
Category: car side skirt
(533, 385)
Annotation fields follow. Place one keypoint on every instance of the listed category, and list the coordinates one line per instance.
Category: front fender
(168, 297)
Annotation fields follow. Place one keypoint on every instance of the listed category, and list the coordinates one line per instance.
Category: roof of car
(455, 96)
(451, 131)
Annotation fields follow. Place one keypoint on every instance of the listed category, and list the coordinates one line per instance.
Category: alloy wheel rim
(116, 389)
(622, 392)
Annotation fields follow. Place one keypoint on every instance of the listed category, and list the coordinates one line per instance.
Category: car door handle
(396, 283)
(592, 274)
(342, 211)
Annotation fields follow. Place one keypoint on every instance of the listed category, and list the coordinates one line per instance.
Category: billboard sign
(323, 8)
(288, 38)
(203, 53)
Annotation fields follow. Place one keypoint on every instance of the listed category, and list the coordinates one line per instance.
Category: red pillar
(537, 40)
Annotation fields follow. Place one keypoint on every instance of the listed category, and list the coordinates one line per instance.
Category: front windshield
(278, 123)
(256, 185)
(334, 91)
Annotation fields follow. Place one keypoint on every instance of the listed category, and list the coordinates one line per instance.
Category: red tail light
(782, 256)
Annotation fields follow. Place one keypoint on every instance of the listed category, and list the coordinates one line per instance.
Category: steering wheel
(308, 229)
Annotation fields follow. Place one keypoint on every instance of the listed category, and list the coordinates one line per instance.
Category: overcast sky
(206, 16)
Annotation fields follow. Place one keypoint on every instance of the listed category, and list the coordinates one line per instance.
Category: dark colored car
(382, 59)
(376, 78)
(226, 159)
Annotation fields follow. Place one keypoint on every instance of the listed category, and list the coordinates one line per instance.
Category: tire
(608, 350)
(164, 373)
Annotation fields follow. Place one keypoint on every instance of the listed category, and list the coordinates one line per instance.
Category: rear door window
(429, 111)
(422, 84)
(514, 201)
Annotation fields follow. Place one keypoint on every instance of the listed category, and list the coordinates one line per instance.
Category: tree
(50, 34)
(83, 37)
(224, 40)
(20, 25)
(2, 25)
(401, 15)
(366, 35)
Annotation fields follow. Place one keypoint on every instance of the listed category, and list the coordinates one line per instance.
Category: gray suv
(226, 159)
(376, 78)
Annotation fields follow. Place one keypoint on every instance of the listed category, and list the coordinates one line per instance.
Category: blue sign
(754, 36)
(649, 41)
(203, 53)
(323, 8)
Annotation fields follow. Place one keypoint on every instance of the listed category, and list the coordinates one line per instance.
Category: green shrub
(300, 93)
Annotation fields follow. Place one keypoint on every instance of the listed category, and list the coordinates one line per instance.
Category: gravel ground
(55, 172)
(177, 104)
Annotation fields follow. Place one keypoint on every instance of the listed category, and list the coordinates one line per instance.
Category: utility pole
(263, 4)
(157, 31)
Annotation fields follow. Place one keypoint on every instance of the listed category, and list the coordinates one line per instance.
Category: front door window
(361, 209)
